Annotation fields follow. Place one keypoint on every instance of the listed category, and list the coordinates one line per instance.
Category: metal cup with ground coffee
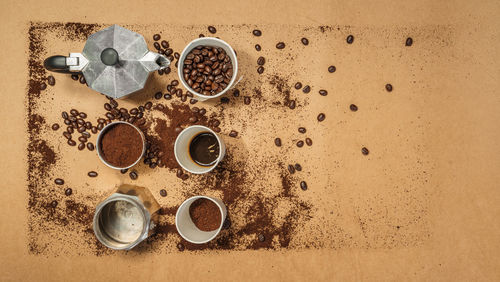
(126, 218)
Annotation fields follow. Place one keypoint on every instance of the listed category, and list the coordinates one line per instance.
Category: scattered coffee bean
(233, 133)
(323, 92)
(68, 191)
(247, 100)
(224, 100)
(74, 76)
(217, 129)
(81, 146)
(353, 107)
(70, 130)
(257, 32)
(165, 44)
(409, 41)
(59, 181)
(177, 55)
(365, 151)
(82, 80)
(300, 143)
(236, 93)
(167, 96)
(302, 129)
(133, 175)
(53, 204)
(305, 41)
(65, 115)
(212, 29)
(260, 70)
(303, 185)
(184, 177)
(123, 171)
(71, 142)
(90, 146)
(257, 47)
(55, 126)
(388, 87)
(51, 80)
(82, 139)
(157, 45)
(201, 35)
(306, 89)
(350, 39)
(92, 174)
(321, 117)
(261, 61)
(277, 142)
(291, 169)
(298, 85)
(203, 111)
(156, 37)
(193, 119)
(148, 105)
(280, 45)
(67, 135)
(332, 69)
(291, 105)
(43, 86)
(262, 238)
(309, 141)
(158, 95)
(163, 192)
(298, 167)
(74, 112)
(180, 247)
(193, 101)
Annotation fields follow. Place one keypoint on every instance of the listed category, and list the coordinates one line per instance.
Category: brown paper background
(446, 124)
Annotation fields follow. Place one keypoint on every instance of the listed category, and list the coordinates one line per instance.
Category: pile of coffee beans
(207, 70)
(173, 91)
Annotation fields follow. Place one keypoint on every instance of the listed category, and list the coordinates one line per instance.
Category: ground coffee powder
(121, 145)
(205, 214)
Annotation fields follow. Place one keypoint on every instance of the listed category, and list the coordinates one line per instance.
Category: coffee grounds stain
(283, 88)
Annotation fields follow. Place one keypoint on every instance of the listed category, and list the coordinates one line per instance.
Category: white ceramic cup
(186, 227)
(208, 41)
(181, 149)
(99, 149)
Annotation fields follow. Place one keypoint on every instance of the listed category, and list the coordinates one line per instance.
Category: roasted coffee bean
(113, 102)
(261, 61)
(90, 146)
(74, 112)
(160, 107)
(262, 238)
(365, 151)
(388, 87)
(82, 80)
(94, 129)
(291, 169)
(141, 108)
(177, 55)
(80, 122)
(321, 117)
(409, 41)
(300, 143)
(304, 41)
(59, 181)
(156, 37)
(309, 142)
(55, 126)
(82, 115)
(148, 105)
(277, 142)
(353, 107)
(86, 134)
(81, 129)
(323, 92)
(303, 185)
(165, 44)
(260, 70)
(302, 130)
(247, 100)
(158, 95)
(179, 173)
(216, 123)
(53, 204)
(332, 69)
(71, 142)
(167, 96)
(203, 111)
(236, 93)
(133, 175)
(212, 29)
(92, 174)
(88, 125)
(64, 115)
(298, 85)
(193, 119)
(180, 246)
(280, 45)
(217, 129)
(291, 105)
(157, 45)
(81, 146)
(193, 101)
(306, 89)
(183, 98)
(224, 100)
(167, 70)
(107, 107)
(233, 133)
(67, 135)
(257, 32)
(74, 76)
(123, 171)
(257, 47)
(153, 165)
(163, 192)
(68, 191)
(184, 177)
(298, 167)
(51, 80)
(100, 126)
(350, 39)
(70, 130)
(43, 86)
(82, 139)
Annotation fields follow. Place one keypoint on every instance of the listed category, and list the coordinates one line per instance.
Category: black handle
(56, 64)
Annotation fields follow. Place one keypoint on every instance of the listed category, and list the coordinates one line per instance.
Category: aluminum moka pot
(115, 61)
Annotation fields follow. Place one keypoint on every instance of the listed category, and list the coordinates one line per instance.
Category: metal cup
(126, 218)
(99, 149)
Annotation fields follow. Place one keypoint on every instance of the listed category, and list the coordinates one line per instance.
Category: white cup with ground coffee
(208, 67)
(199, 219)
(120, 145)
(198, 149)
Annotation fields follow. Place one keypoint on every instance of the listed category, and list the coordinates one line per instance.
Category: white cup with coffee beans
(208, 68)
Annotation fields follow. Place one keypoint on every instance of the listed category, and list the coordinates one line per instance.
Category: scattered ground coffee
(121, 145)
(205, 214)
